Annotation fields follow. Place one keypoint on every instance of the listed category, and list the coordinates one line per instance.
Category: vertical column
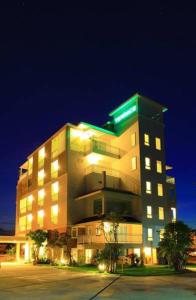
(17, 251)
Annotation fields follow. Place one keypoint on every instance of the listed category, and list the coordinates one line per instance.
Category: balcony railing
(103, 148)
(170, 179)
(100, 169)
(122, 238)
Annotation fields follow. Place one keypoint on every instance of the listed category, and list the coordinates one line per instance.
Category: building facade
(83, 173)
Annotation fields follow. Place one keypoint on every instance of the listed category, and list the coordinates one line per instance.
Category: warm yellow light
(55, 210)
(102, 267)
(29, 217)
(93, 158)
(41, 174)
(147, 251)
(55, 165)
(40, 213)
(55, 187)
(30, 198)
(41, 194)
(83, 135)
(42, 153)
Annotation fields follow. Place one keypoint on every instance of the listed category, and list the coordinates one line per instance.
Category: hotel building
(83, 172)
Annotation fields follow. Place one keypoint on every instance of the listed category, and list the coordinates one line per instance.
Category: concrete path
(33, 282)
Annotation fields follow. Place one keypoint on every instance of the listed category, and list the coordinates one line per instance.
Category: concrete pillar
(17, 251)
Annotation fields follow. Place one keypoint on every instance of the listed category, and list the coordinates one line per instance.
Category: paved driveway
(30, 282)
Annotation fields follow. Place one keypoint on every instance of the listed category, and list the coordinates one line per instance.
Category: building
(84, 172)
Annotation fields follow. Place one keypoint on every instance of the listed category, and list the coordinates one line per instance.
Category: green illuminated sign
(125, 114)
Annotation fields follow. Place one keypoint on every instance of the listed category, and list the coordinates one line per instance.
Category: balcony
(103, 149)
(170, 179)
(99, 239)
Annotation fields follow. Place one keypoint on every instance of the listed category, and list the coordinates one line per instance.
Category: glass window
(97, 206)
(55, 190)
(161, 233)
(29, 221)
(173, 211)
(160, 189)
(41, 175)
(134, 163)
(22, 223)
(40, 218)
(29, 202)
(30, 166)
(41, 157)
(159, 166)
(54, 214)
(149, 212)
(146, 139)
(58, 144)
(41, 195)
(147, 163)
(161, 213)
(148, 187)
(150, 237)
(54, 169)
(23, 206)
(133, 139)
(158, 143)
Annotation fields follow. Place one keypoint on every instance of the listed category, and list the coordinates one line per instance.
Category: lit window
(41, 157)
(40, 218)
(160, 189)
(134, 163)
(30, 166)
(41, 195)
(147, 163)
(22, 223)
(161, 213)
(58, 144)
(29, 202)
(133, 139)
(159, 166)
(41, 177)
(173, 211)
(54, 214)
(150, 237)
(158, 143)
(29, 221)
(54, 169)
(146, 139)
(23, 206)
(148, 187)
(161, 233)
(55, 190)
(149, 212)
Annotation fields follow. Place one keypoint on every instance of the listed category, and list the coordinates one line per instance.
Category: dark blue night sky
(61, 63)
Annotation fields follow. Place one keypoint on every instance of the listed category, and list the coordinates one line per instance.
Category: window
(41, 195)
(146, 139)
(97, 206)
(22, 223)
(161, 213)
(161, 233)
(58, 144)
(54, 214)
(134, 163)
(41, 175)
(133, 139)
(150, 237)
(158, 143)
(147, 163)
(149, 212)
(23, 207)
(29, 202)
(160, 189)
(40, 218)
(30, 166)
(41, 156)
(54, 190)
(98, 230)
(148, 187)
(29, 221)
(54, 169)
(173, 211)
(159, 166)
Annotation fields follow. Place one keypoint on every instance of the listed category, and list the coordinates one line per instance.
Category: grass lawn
(154, 270)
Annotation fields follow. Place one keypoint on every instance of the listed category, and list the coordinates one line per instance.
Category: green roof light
(125, 114)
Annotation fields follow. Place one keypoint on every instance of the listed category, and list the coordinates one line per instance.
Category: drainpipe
(104, 179)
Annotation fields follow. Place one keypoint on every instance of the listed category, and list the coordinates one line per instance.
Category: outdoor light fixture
(102, 267)
(106, 227)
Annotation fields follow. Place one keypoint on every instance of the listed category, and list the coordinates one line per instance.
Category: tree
(39, 237)
(111, 251)
(177, 239)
